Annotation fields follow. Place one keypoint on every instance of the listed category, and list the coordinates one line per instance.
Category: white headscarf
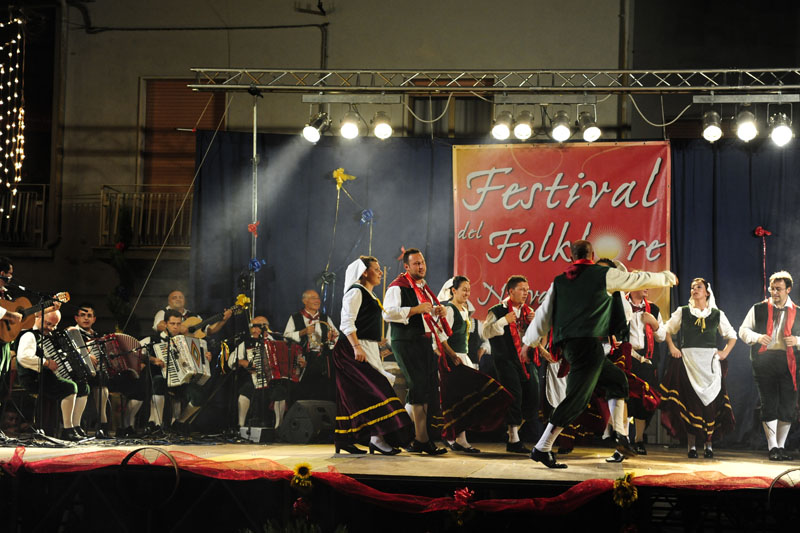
(444, 294)
(354, 272)
(710, 304)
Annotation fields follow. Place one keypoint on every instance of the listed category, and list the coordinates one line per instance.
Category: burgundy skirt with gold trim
(366, 404)
(471, 400)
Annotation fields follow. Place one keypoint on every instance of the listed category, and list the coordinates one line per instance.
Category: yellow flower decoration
(624, 492)
(301, 480)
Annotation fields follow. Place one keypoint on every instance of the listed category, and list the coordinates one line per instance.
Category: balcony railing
(143, 215)
(22, 217)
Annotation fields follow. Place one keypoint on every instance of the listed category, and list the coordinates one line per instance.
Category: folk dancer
(505, 324)
(578, 308)
(773, 333)
(694, 397)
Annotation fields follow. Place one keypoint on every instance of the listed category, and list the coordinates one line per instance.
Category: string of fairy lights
(12, 112)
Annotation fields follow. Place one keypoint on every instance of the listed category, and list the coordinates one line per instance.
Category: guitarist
(315, 332)
(177, 302)
(11, 317)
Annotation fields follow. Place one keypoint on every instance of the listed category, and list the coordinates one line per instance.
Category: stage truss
(489, 82)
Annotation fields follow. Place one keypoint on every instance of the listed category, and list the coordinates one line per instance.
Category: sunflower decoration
(624, 492)
(301, 480)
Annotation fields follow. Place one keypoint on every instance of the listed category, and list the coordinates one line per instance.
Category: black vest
(415, 328)
(474, 341)
(299, 324)
(691, 334)
(761, 314)
(503, 345)
(368, 319)
(458, 340)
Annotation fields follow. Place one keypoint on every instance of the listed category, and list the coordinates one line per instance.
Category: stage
(253, 484)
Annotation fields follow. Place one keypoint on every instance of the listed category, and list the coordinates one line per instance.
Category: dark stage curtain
(720, 193)
(406, 182)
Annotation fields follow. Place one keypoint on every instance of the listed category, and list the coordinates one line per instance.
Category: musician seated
(192, 391)
(7, 318)
(177, 302)
(32, 365)
(316, 334)
(248, 378)
(125, 383)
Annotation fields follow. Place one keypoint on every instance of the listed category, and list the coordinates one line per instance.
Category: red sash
(514, 327)
(434, 324)
(577, 267)
(791, 311)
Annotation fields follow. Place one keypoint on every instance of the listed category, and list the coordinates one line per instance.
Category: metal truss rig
(709, 81)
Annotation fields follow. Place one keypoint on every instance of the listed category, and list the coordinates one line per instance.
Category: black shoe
(785, 456)
(775, 454)
(639, 448)
(349, 448)
(125, 433)
(692, 454)
(425, 447)
(153, 430)
(81, 432)
(516, 447)
(373, 448)
(548, 459)
(708, 453)
(71, 435)
(623, 446)
(103, 432)
(615, 458)
(456, 447)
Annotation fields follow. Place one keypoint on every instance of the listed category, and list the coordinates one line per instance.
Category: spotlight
(712, 126)
(502, 126)
(316, 127)
(588, 127)
(523, 126)
(349, 127)
(559, 128)
(781, 129)
(381, 126)
(746, 128)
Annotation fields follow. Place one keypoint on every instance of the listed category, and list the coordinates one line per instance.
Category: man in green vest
(579, 309)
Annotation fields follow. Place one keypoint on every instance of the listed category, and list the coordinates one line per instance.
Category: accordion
(119, 353)
(185, 360)
(67, 349)
(274, 360)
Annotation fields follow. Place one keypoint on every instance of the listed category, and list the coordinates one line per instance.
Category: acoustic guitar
(9, 331)
(196, 327)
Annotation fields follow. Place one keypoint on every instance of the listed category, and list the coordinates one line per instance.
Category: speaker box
(308, 421)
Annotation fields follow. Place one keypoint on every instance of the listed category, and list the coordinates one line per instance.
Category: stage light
(349, 128)
(588, 127)
(312, 132)
(559, 128)
(523, 126)
(781, 129)
(381, 126)
(502, 126)
(746, 128)
(712, 126)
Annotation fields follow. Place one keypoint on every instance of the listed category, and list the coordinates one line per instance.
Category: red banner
(518, 208)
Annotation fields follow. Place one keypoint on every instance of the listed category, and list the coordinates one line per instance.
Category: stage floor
(493, 464)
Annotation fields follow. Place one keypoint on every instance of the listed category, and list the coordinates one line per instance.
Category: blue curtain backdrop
(405, 182)
(720, 194)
